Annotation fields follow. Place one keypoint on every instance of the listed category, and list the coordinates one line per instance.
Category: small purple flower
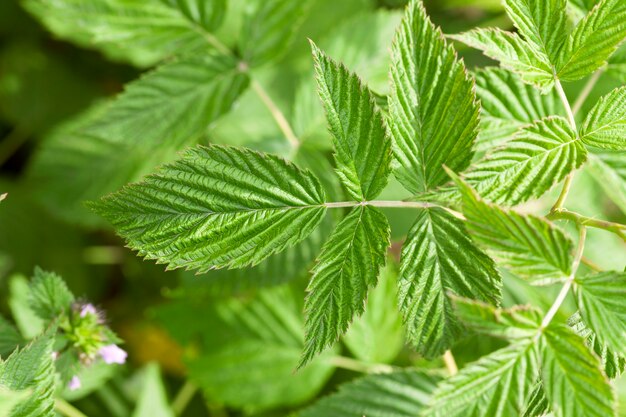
(112, 354)
(74, 383)
(88, 309)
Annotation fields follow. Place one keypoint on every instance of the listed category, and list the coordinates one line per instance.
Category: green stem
(183, 397)
(564, 214)
(448, 359)
(358, 366)
(67, 409)
(572, 121)
(277, 114)
(392, 204)
(587, 89)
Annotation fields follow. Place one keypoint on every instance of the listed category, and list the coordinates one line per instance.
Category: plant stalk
(67, 409)
(277, 114)
(393, 204)
(183, 397)
(564, 214)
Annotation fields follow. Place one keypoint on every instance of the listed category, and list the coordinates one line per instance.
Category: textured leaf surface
(433, 110)
(513, 54)
(574, 384)
(608, 168)
(497, 385)
(600, 299)
(347, 267)
(593, 40)
(49, 296)
(217, 207)
(399, 394)
(9, 337)
(605, 125)
(208, 14)
(507, 104)
(529, 246)
(439, 259)
(362, 149)
(538, 157)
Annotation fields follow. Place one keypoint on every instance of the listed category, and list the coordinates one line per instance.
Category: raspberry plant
(470, 148)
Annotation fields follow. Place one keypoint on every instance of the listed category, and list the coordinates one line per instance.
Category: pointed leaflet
(439, 259)
(433, 111)
(497, 385)
(541, 22)
(507, 104)
(347, 267)
(49, 295)
(574, 384)
(513, 54)
(527, 245)
(217, 207)
(593, 40)
(538, 157)
(362, 149)
(399, 394)
(600, 299)
(605, 125)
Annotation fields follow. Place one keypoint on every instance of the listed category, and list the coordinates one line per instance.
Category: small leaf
(399, 394)
(217, 207)
(605, 125)
(433, 110)
(538, 157)
(362, 148)
(49, 296)
(347, 267)
(600, 299)
(152, 400)
(439, 259)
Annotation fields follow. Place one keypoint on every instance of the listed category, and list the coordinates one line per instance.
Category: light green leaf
(153, 400)
(217, 207)
(507, 104)
(538, 157)
(439, 259)
(433, 110)
(593, 41)
(605, 125)
(497, 385)
(269, 30)
(347, 267)
(28, 323)
(10, 398)
(608, 168)
(49, 296)
(362, 148)
(600, 299)
(9, 337)
(513, 54)
(249, 362)
(543, 23)
(399, 394)
(527, 245)
(538, 404)
(378, 336)
(208, 14)
(572, 379)
(518, 322)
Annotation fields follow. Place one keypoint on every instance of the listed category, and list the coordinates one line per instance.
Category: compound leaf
(217, 207)
(605, 125)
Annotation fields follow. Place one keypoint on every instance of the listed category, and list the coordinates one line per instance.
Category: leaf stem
(582, 234)
(183, 397)
(358, 366)
(564, 214)
(67, 409)
(392, 204)
(448, 359)
(278, 115)
(587, 89)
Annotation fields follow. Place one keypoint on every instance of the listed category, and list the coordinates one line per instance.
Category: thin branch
(358, 366)
(448, 359)
(278, 115)
(183, 397)
(590, 264)
(564, 214)
(587, 89)
(568, 282)
(67, 409)
(392, 204)
(572, 121)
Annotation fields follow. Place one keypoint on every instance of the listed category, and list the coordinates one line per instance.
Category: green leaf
(439, 259)
(600, 299)
(513, 54)
(518, 322)
(617, 65)
(153, 400)
(527, 245)
(217, 207)
(362, 148)
(507, 104)
(378, 336)
(538, 404)
(10, 398)
(608, 168)
(208, 14)
(593, 41)
(399, 394)
(269, 29)
(433, 110)
(347, 267)
(612, 363)
(497, 385)
(31, 368)
(250, 354)
(574, 384)
(605, 125)
(49, 296)
(29, 324)
(543, 23)
(538, 157)
(10, 338)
